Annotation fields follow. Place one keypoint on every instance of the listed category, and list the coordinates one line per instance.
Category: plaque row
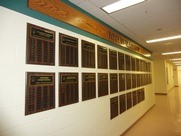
(41, 51)
(120, 104)
(40, 88)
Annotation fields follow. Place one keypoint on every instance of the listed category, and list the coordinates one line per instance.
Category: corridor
(164, 119)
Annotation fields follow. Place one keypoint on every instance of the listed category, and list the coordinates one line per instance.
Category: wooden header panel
(63, 12)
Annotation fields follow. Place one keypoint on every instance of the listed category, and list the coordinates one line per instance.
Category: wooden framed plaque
(135, 100)
(121, 61)
(40, 47)
(134, 81)
(128, 62)
(88, 86)
(129, 100)
(137, 64)
(102, 57)
(122, 103)
(133, 65)
(113, 83)
(112, 59)
(128, 81)
(138, 80)
(122, 82)
(114, 107)
(102, 84)
(40, 92)
(68, 50)
(88, 54)
(68, 88)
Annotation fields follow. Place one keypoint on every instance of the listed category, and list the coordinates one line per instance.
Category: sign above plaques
(63, 12)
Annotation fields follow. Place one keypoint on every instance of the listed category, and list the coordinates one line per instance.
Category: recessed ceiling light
(121, 4)
(170, 53)
(164, 39)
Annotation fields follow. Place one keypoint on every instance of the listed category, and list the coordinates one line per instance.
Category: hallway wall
(89, 118)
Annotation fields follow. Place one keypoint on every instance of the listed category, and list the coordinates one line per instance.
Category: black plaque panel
(121, 61)
(40, 92)
(128, 62)
(68, 50)
(122, 103)
(113, 83)
(68, 88)
(133, 61)
(128, 81)
(138, 80)
(88, 86)
(102, 84)
(102, 57)
(137, 65)
(122, 81)
(129, 100)
(135, 100)
(141, 95)
(134, 81)
(112, 59)
(40, 45)
(114, 107)
(88, 54)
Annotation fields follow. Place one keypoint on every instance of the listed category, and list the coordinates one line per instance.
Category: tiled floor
(164, 119)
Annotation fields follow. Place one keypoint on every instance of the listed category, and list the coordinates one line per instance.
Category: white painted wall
(89, 118)
(163, 76)
(179, 76)
(175, 74)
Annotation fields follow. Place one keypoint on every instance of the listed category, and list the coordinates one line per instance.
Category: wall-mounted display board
(121, 61)
(135, 100)
(68, 88)
(40, 92)
(133, 80)
(88, 54)
(102, 84)
(137, 64)
(129, 100)
(112, 59)
(88, 86)
(138, 79)
(128, 81)
(102, 57)
(133, 63)
(68, 50)
(122, 103)
(40, 46)
(122, 82)
(113, 83)
(141, 95)
(128, 62)
(114, 107)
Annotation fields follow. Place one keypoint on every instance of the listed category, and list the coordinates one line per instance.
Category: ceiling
(149, 20)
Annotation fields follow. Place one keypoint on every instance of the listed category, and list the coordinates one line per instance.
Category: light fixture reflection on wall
(164, 39)
(121, 4)
(170, 53)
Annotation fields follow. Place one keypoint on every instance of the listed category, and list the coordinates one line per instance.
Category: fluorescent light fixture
(121, 4)
(176, 59)
(164, 39)
(177, 62)
(170, 53)
(147, 55)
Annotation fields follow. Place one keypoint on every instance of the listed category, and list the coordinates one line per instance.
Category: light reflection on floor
(164, 119)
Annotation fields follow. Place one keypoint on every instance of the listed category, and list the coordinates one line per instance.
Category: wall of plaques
(103, 71)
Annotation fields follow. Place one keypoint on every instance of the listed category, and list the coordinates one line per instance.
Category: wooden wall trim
(65, 13)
